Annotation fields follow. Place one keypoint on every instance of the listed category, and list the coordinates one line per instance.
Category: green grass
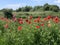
(34, 14)
(29, 34)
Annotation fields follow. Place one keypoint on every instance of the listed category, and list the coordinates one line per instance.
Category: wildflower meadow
(30, 31)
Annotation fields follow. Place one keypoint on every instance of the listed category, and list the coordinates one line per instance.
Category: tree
(8, 13)
(27, 8)
(37, 8)
(55, 8)
(19, 9)
(46, 7)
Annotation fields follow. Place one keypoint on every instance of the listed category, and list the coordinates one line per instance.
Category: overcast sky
(14, 4)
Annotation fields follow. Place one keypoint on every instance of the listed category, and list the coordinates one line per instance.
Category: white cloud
(14, 6)
(57, 1)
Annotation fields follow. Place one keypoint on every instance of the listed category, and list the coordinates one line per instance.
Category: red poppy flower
(48, 17)
(19, 27)
(21, 22)
(6, 25)
(37, 26)
(2, 18)
(38, 19)
(26, 20)
(45, 19)
(42, 24)
(29, 22)
(35, 20)
(56, 19)
(31, 17)
(20, 19)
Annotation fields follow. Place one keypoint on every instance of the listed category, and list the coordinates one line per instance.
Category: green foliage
(29, 36)
(36, 14)
(26, 9)
(55, 8)
(48, 7)
(37, 8)
(45, 7)
(20, 9)
(8, 13)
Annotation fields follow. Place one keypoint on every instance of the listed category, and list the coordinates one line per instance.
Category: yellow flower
(49, 24)
(48, 21)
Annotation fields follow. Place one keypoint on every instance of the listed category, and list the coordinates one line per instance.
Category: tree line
(45, 7)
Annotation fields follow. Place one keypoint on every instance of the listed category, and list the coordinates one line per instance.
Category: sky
(15, 4)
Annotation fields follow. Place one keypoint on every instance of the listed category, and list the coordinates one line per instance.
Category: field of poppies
(30, 31)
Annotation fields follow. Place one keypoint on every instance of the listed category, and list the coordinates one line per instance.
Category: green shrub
(8, 13)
